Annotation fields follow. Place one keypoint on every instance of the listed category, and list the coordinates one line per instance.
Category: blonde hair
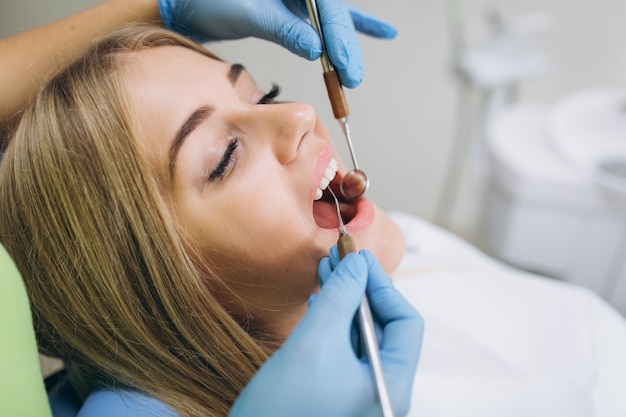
(112, 288)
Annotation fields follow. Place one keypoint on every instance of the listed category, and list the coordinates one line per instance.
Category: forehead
(165, 85)
(167, 71)
(164, 68)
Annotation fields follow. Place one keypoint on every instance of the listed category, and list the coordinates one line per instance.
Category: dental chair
(23, 391)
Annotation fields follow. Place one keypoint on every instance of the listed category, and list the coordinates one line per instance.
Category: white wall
(403, 112)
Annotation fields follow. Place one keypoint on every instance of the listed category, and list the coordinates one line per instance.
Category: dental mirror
(355, 182)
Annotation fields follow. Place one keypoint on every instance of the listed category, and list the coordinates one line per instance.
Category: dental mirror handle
(331, 79)
(346, 245)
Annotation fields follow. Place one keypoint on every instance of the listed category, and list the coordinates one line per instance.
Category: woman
(170, 202)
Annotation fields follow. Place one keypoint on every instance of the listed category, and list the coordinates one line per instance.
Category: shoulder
(120, 403)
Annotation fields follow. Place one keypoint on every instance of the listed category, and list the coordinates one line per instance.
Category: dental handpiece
(355, 182)
(346, 245)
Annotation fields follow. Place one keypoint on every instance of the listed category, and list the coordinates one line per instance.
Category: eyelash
(227, 162)
(228, 159)
(271, 95)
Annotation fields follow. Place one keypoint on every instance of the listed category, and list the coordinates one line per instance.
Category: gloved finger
(386, 301)
(340, 37)
(341, 294)
(363, 22)
(371, 25)
(331, 262)
(391, 310)
(403, 326)
(324, 269)
(311, 298)
(280, 25)
(402, 333)
(328, 264)
(334, 256)
(341, 41)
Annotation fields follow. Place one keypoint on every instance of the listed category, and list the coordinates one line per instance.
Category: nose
(282, 126)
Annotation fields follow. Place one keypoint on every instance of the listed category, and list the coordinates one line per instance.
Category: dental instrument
(346, 245)
(355, 182)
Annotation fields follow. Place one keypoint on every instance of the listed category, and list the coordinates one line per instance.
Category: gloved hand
(317, 373)
(282, 22)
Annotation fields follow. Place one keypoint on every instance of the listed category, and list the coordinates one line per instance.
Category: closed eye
(271, 95)
(226, 163)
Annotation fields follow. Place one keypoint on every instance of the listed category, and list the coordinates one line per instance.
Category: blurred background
(445, 117)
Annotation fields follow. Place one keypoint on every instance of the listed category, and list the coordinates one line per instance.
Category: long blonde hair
(112, 288)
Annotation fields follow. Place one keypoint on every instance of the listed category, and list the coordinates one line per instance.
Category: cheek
(257, 236)
(263, 273)
(258, 250)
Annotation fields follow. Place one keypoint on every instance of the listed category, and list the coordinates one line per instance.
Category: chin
(384, 239)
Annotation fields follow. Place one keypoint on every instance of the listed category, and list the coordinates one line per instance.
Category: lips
(356, 214)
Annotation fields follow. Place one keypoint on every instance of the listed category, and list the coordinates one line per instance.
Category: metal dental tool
(345, 244)
(355, 182)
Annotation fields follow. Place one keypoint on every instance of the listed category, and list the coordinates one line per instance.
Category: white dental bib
(499, 342)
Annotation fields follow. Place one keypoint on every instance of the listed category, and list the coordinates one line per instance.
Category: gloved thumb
(342, 291)
(334, 256)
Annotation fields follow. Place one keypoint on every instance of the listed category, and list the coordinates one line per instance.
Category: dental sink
(588, 130)
(556, 199)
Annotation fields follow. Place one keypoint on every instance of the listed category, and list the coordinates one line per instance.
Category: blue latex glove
(317, 373)
(282, 22)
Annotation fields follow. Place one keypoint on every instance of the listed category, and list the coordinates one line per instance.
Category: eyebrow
(234, 72)
(197, 117)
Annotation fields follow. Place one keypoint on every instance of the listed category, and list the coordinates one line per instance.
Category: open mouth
(325, 211)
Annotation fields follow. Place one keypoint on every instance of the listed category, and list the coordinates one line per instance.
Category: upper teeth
(329, 174)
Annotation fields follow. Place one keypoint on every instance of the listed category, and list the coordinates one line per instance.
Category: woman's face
(241, 172)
